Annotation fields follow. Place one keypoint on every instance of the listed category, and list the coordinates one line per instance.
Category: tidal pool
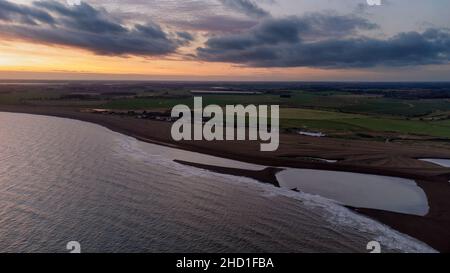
(359, 190)
(438, 161)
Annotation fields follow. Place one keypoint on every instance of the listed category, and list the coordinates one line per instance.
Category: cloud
(325, 41)
(87, 28)
(10, 12)
(247, 7)
(82, 17)
(185, 36)
(215, 24)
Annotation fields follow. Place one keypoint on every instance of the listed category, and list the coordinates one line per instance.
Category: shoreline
(266, 176)
(158, 132)
(434, 231)
(434, 227)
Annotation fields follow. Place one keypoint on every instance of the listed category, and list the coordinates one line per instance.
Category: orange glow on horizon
(20, 57)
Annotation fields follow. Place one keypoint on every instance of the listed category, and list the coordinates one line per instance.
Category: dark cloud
(315, 40)
(325, 41)
(88, 28)
(215, 24)
(248, 7)
(186, 36)
(10, 12)
(291, 30)
(83, 17)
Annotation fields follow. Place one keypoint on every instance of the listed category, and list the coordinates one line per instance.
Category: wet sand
(370, 157)
(265, 176)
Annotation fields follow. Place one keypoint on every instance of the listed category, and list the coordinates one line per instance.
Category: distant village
(139, 114)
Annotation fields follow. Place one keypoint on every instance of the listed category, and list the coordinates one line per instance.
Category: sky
(229, 40)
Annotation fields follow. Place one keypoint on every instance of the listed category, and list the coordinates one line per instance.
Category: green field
(334, 121)
(331, 112)
(349, 103)
(21, 97)
(322, 120)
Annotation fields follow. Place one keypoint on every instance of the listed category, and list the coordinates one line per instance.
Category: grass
(404, 126)
(334, 121)
(158, 103)
(366, 104)
(19, 97)
(298, 113)
(375, 118)
(409, 108)
(372, 125)
(321, 111)
(146, 103)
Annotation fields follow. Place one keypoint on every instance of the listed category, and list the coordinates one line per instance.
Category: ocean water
(63, 180)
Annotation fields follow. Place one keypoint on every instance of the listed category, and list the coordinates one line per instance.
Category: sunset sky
(304, 40)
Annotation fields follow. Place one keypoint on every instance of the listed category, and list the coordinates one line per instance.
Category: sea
(64, 180)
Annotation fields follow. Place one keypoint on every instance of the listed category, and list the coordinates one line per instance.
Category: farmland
(336, 110)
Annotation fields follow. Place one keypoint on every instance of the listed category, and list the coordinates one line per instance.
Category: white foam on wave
(337, 214)
(128, 146)
(333, 212)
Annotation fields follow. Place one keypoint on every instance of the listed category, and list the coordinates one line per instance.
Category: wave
(330, 210)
